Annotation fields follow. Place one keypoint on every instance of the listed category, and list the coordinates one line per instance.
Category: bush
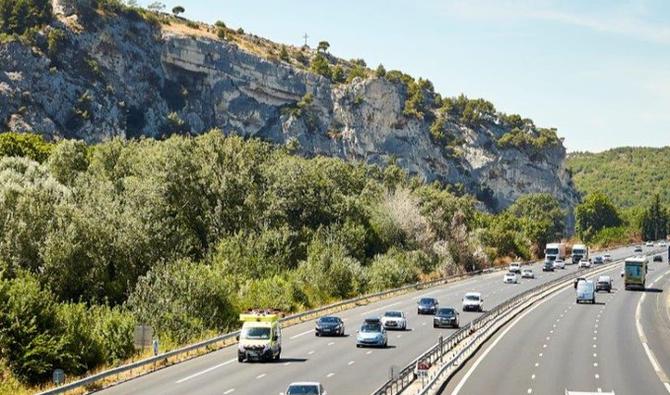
(183, 300)
(27, 145)
(321, 66)
(55, 42)
(394, 269)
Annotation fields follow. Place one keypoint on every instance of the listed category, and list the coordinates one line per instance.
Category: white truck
(554, 251)
(579, 252)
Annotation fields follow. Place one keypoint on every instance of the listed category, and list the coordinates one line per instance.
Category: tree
(381, 71)
(338, 74)
(323, 46)
(594, 214)
(542, 219)
(178, 10)
(321, 66)
(655, 220)
(26, 145)
(156, 6)
(221, 33)
(220, 24)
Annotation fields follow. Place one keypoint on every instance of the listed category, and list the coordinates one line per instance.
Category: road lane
(564, 345)
(311, 358)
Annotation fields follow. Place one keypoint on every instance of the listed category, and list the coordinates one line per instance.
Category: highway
(559, 345)
(335, 362)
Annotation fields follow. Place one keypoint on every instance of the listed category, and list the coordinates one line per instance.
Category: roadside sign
(422, 368)
(154, 344)
(143, 336)
(59, 376)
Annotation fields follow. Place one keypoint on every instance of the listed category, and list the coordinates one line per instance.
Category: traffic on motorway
(592, 338)
(321, 356)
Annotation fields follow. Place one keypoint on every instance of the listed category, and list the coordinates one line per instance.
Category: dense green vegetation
(185, 233)
(629, 176)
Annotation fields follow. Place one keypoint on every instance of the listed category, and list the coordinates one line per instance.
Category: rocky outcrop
(119, 75)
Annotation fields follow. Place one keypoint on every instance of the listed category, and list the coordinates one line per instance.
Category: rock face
(122, 76)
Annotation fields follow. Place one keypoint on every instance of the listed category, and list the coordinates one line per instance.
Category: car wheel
(316, 334)
(434, 325)
(358, 346)
(240, 359)
(278, 356)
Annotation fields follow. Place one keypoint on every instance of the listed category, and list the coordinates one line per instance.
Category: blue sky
(598, 70)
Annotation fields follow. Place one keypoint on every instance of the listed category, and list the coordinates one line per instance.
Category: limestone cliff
(100, 74)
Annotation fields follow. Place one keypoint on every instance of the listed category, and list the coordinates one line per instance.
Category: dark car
(658, 258)
(446, 316)
(604, 283)
(329, 326)
(427, 306)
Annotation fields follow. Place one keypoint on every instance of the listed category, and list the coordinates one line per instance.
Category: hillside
(629, 176)
(99, 69)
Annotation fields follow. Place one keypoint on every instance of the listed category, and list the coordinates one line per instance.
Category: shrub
(321, 66)
(183, 300)
(27, 145)
(55, 42)
(394, 269)
(380, 72)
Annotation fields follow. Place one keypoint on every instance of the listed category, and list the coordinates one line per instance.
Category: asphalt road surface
(562, 345)
(335, 362)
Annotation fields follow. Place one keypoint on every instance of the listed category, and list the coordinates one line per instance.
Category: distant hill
(629, 176)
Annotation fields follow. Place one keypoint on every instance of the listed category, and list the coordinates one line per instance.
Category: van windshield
(256, 333)
(472, 297)
(551, 251)
(578, 252)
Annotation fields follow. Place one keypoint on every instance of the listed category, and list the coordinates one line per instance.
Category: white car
(394, 320)
(306, 388)
(559, 264)
(598, 260)
(473, 301)
(527, 273)
(511, 278)
(584, 264)
(662, 244)
(649, 244)
(515, 267)
(607, 257)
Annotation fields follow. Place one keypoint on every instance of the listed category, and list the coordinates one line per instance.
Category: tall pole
(305, 37)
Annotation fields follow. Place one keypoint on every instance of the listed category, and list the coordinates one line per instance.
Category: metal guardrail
(89, 380)
(407, 375)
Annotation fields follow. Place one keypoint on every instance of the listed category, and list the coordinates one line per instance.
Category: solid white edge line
(204, 371)
(502, 335)
(643, 339)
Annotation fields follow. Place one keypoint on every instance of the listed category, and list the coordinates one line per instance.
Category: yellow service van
(260, 337)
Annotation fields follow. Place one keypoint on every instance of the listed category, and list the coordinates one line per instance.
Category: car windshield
(472, 297)
(371, 327)
(392, 314)
(527, 271)
(446, 312)
(256, 333)
(426, 301)
(328, 320)
(303, 390)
